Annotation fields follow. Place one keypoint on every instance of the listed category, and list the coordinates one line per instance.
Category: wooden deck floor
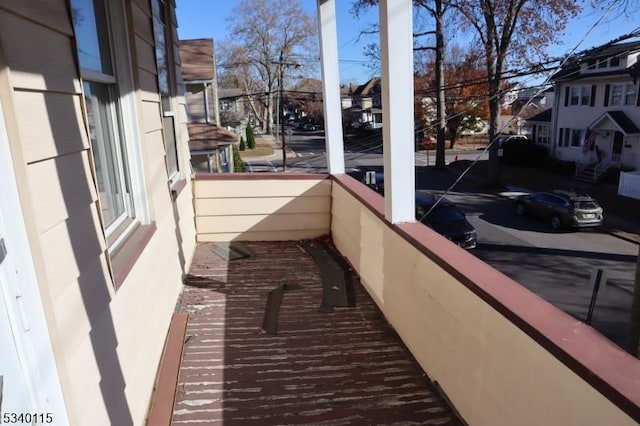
(347, 367)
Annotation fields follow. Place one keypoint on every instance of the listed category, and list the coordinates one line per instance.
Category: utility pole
(280, 105)
(281, 113)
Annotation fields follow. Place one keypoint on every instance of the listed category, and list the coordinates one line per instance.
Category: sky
(207, 19)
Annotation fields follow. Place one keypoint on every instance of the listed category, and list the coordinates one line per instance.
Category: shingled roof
(207, 137)
(197, 59)
(571, 69)
(368, 88)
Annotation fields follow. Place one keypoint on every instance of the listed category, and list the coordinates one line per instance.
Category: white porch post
(396, 42)
(334, 139)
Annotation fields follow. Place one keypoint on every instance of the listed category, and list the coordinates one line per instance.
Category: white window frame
(576, 138)
(569, 135)
(624, 94)
(630, 94)
(616, 94)
(581, 95)
(176, 175)
(130, 148)
(543, 134)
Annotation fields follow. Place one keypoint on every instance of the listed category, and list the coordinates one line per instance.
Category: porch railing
(500, 353)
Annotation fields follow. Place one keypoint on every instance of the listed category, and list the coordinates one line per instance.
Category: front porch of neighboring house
(372, 118)
(612, 142)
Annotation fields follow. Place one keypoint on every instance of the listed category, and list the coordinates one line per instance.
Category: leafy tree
(268, 37)
(242, 144)
(511, 32)
(238, 164)
(251, 139)
(435, 9)
(466, 94)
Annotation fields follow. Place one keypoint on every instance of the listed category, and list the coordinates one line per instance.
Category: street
(556, 266)
(310, 154)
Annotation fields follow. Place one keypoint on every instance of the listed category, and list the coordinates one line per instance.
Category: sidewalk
(621, 214)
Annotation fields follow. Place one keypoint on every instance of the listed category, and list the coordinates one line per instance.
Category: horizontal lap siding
(48, 66)
(50, 124)
(101, 338)
(70, 192)
(64, 226)
(68, 250)
(491, 370)
(157, 274)
(262, 210)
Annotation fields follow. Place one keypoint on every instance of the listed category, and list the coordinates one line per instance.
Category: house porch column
(334, 139)
(396, 42)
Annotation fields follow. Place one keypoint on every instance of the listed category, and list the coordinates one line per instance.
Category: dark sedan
(446, 219)
(563, 209)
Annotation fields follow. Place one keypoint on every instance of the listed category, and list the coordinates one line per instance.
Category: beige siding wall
(494, 373)
(269, 209)
(107, 343)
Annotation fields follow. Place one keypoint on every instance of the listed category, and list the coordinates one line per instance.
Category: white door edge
(33, 344)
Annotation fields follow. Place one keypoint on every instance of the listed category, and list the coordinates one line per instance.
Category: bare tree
(236, 73)
(512, 32)
(268, 35)
(306, 98)
(435, 9)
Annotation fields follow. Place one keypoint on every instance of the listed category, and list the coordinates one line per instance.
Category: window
(603, 63)
(571, 137)
(106, 78)
(609, 62)
(542, 134)
(616, 94)
(107, 153)
(623, 94)
(576, 137)
(165, 84)
(631, 94)
(580, 95)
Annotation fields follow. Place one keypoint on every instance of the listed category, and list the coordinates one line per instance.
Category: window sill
(125, 257)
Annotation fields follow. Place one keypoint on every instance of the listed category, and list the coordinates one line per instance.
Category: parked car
(563, 209)
(501, 139)
(446, 218)
(309, 127)
(523, 152)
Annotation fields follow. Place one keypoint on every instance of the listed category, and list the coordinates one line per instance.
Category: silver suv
(563, 209)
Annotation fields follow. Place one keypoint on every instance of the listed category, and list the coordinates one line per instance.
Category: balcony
(498, 353)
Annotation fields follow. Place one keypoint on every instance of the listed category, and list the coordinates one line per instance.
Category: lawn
(263, 148)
